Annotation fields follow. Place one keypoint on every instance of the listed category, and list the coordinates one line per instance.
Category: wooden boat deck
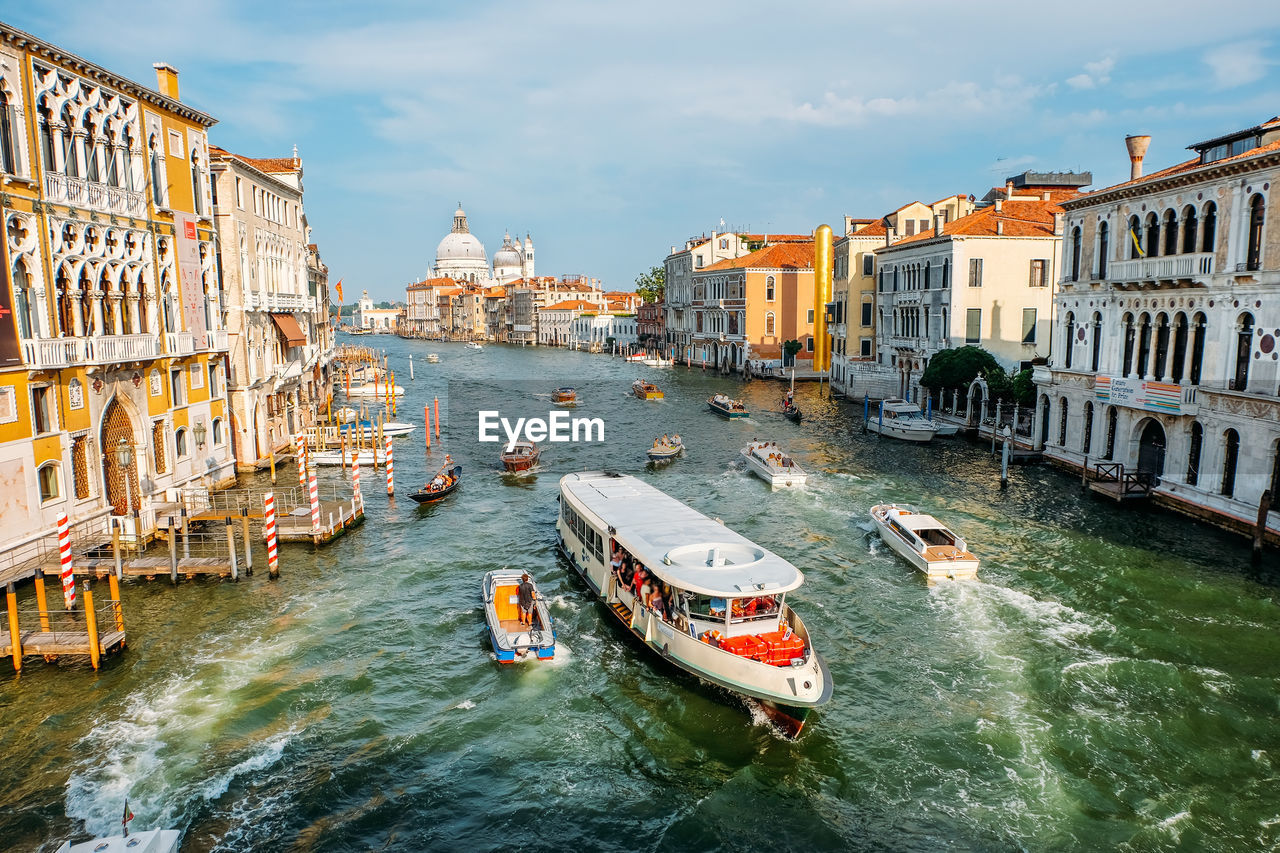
(946, 554)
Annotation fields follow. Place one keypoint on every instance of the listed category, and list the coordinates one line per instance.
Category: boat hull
(664, 454)
(777, 478)
(916, 434)
(933, 570)
(510, 641)
(426, 496)
(793, 415)
(728, 413)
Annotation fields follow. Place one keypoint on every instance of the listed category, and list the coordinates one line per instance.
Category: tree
(956, 368)
(789, 350)
(652, 284)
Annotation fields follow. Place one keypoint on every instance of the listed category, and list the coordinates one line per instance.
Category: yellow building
(112, 386)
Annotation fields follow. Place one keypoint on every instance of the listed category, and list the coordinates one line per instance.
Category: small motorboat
(900, 419)
(657, 362)
(512, 639)
(147, 841)
(646, 390)
(726, 407)
(564, 396)
(338, 457)
(376, 390)
(433, 358)
(665, 448)
(474, 345)
(770, 463)
(444, 483)
(522, 456)
(637, 357)
(369, 429)
(924, 542)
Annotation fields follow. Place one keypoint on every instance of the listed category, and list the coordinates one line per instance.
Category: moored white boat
(770, 463)
(900, 419)
(368, 429)
(924, 542)
(377, 391)
(656, 362)
(335, 457)
(512, 640)
(716, 605)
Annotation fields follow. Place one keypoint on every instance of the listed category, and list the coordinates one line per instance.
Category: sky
(611, 132)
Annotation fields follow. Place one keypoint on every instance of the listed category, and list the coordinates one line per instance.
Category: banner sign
(1136, 394)
(191, 287)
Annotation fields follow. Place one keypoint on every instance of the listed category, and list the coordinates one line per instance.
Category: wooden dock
(1109, 479)
(336, 517)
(93, 631)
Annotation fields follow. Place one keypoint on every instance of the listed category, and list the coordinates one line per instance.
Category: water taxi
(513, 640)
(900, 419)
(656, 362)
(646, 390)
(924, 542)
(522, 456)
(665, 448)
(726, 407)
(716, 603)
(564, 396)
(439, 487)
(474, 345)
(768, 462)
(433, 358)
(147, 841)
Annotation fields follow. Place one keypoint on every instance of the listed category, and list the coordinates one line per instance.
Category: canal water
(1111, 682)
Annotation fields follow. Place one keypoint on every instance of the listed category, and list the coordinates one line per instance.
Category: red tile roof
(1016, 218)
(1190, 165)
(777, 256)
(269, 165)
(572, 305)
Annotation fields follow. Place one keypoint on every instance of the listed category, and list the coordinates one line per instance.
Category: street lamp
(199, 431)
(124, 458)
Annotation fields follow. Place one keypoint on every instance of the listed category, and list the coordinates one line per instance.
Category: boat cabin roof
(915, 520)
(676, 542)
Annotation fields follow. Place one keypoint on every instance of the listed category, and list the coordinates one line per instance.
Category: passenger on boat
(524, 600)
(716, 607)
(658, 607)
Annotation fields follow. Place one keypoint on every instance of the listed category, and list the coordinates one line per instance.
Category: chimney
(166, 79)
(938, 222)
(1046, 196)
(1008, 189)
(999, 204)
(1000, 227)
(1057, 223)
(1137, 146)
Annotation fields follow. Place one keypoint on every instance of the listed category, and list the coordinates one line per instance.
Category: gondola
(430, 493)
(792, 413)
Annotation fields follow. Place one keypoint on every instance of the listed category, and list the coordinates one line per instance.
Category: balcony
(53, 354)
(83, 193)
(1167, 268)
(281, 302)
(113, 349)
(217, 340)
(179, 343)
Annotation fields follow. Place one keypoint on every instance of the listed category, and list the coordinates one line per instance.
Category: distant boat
(377, 391)
(657, 362)
(646, 390)
(521, 457)
(726, 407)
(511, 639)
(661, 451)
(768, 462)
(433, 358)
(637, 357)
(369, 429)
(439, 487)
(924, 542)
(792, 412)
(900, 419)
(474, 345)
(564, 396)
(337, 457)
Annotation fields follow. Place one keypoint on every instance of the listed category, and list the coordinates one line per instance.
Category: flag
(1136, 244)
(128, 816)
(338, 287)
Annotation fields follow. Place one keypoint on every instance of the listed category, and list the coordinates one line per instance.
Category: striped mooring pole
(315, 503)
(391, 476)
(302, 460)
(269, 533)
(64, 555)
(357, 499)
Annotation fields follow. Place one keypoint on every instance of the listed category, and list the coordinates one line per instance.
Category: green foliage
(789, 350)
(956, 368)
(652, 284)
(1022, 388)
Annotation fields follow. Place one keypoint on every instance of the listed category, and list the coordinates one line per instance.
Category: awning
(289, 327)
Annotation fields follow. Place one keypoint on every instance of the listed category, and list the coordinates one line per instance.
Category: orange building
(747, 308)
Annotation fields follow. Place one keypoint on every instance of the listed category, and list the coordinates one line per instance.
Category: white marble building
(1167, 331)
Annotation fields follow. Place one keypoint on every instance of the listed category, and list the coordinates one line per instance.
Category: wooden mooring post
(231, 549)
(1260, 529)
(15, 635)
(173, 553)
(115, 548)
(91, 623)
(42, 600)
(248, 541)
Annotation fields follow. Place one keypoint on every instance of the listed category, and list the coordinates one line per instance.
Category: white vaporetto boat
(770, 463)
(900, 419)
(924, 542)
(715, 603)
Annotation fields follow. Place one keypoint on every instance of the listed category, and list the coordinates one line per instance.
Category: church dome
(507, 256)
(460, 246)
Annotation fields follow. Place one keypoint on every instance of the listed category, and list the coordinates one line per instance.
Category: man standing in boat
(524, 600)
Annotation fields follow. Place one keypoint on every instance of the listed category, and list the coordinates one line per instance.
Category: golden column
(821, 296)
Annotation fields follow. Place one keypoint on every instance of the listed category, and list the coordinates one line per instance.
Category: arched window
(49, 480)
(1075, 253)
(46, 139)
(126, 153)
(946, 273)
(1062, 423)
(8, 153)
(217, 431)
(1244, 349)
(1170, 233)
(1275, 469)
(1129, 336)
(157, 183)
(928, 269)
(1209, 240)
(1135, 238)
(1070, 340)
(91, 171)
(1143, 367)
(1086, 438)
(769, 324)
(1111, 433)
(1162, 346)
(1257, 214)
(769, 289)
(1153, 234)
(196, 193)
(1104, 247)
(1189, 226)
(1193, 453)
(1097, 341)
(1179, 347)
(1197, 347)
(1230, 455)
(23, 302)
(113, 158)
(180, 442)
(69, 163)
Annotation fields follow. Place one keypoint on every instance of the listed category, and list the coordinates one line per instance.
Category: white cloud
(1237, 63)
(1095, 74)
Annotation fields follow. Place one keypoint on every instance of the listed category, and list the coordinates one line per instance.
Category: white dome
(507, 256)
(460, 246)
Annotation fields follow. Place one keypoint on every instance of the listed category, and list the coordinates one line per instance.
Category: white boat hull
(146, 841)
(335, 457)
(777, 476)
(934, 570)
(371, 391)
(918, 433)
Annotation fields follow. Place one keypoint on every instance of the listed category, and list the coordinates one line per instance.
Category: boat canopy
(917, 521)
(677, 543)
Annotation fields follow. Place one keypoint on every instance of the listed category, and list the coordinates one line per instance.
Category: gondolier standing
(524, 600)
